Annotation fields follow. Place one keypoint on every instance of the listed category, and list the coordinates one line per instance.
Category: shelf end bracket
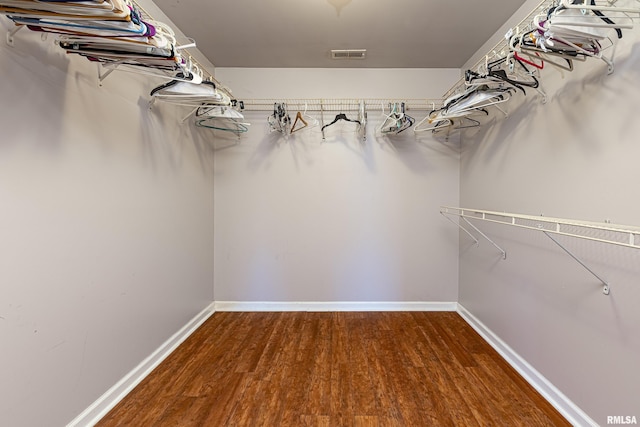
(475, 241)
(504, 253)
(12, 33)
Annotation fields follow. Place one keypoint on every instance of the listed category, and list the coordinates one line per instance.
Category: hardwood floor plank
(520, 401)
(220, 403)
(440, 368)
(313, 421)
(367, 421)
(255, 342)
(455, 348)
(409, 405)
(334, 369)
(273, 352)
(362, 387)
(435, 409)
(475, 403)
(385, 399)
(318, 395)
(178, 412)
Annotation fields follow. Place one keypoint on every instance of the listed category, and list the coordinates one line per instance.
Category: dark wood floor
(334, 369)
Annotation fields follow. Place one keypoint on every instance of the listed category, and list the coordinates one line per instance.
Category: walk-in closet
(322, 213)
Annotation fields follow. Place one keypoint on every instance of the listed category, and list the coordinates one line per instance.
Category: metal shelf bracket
(606, 287)
(613, 234)
(504, 253)
(12, 33)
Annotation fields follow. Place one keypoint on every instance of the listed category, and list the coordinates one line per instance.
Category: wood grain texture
(334, 369)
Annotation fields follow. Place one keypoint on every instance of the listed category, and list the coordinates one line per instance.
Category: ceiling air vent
(348, 53)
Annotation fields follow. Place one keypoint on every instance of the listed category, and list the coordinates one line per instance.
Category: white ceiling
(301, 33)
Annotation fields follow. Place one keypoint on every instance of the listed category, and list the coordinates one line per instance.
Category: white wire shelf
(621, 235)
(605, 232)
(341, 105)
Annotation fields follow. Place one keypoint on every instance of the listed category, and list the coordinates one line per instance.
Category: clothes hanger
(165, 85)
(172, 83)
(446, 124)
(589, 47)
(436, 119)
(477, 102)
(455, 125)
(403, 120)
(217, 116)
(408, 121)
(505, 69)
(300, 118)
(473, 103)
(515, 44)
(574, 23)
(233, 126)
(312, 120)
(528, 59)
(362, 118)
(529, 55)
(493, 77)
(567, 4)
(392, 121)
(218, 111)
(598, 11)
(362, 113)
(190, 95)
(340, 116)
(533, 43)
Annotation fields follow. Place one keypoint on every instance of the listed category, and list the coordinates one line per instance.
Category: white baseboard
(115, 394)
(562, 403)
(333, 306)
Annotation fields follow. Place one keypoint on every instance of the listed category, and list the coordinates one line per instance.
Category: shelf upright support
(606, 286)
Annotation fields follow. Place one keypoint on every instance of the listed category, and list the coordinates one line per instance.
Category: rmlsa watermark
(621, 419)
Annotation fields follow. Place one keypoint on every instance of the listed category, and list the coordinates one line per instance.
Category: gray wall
(107, 232)
(304, 219)
(574, 157)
